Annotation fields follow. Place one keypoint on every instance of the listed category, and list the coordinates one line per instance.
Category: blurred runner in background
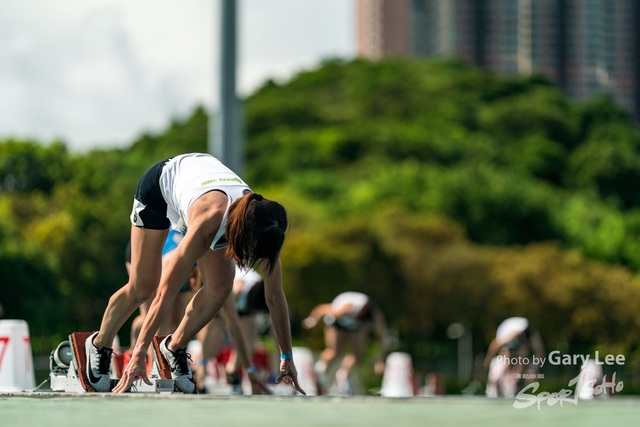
(348, 321)
(515, 338)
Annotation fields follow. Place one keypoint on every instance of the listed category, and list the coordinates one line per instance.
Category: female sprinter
(199, 196)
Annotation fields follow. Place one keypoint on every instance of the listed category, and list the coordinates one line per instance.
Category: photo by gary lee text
(556, 358)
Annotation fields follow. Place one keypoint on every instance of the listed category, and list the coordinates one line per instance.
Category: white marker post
(397, 380)
(304, 364)
(16, 360)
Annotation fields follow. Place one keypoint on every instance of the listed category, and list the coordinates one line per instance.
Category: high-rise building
(601, 50)
(382, 28)
(585, 46)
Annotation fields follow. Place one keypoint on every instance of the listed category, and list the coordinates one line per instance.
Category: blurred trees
(445, 192)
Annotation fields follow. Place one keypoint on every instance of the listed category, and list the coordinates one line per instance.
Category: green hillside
(446, 192)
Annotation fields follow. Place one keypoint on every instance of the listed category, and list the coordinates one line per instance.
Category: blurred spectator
(515, 340)
(348, 320)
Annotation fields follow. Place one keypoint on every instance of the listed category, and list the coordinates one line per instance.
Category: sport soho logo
(576, 386)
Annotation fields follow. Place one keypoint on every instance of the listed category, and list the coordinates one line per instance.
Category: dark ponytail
(255, 231)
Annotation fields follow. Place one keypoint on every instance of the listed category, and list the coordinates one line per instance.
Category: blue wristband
(251, 369)
(286, 356)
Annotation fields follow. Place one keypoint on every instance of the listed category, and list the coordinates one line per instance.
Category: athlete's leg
(331, 350)
(211, 338)
(249, 329)
(178, 309)
(146, 267)
(334, 339)
(358, 340)
(217, 276)
(136, 325)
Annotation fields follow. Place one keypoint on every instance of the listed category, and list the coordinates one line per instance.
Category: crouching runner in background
(348, 320)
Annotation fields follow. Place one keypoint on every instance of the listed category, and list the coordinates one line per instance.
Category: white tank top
(511, 327)
(356, 299)
(187, 177)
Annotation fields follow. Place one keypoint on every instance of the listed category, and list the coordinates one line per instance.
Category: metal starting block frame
(73, 378)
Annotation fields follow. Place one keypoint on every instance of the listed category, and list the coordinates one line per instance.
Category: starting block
(68, 364)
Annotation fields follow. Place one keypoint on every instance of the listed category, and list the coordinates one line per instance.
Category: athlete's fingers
(288, 379)
(123, 384)
(146, 379)
(284, 376)
(117, 387)
(294, 381)
(280, 377)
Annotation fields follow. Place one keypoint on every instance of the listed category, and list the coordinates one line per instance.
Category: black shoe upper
(104, 363)
(181, 365)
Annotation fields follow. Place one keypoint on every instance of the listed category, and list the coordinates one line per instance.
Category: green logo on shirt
(211, 181)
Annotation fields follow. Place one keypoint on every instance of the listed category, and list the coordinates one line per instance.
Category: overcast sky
(97, 73)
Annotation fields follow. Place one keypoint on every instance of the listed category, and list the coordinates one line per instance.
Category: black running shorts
(149, 207)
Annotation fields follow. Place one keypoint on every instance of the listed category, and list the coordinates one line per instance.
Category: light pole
(458, 331)
(225, 135)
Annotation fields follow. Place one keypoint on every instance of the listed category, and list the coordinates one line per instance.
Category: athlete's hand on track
(137, 368)
(289, 374)
(257, 380)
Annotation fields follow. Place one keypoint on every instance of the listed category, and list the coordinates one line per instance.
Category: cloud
(86, 85)
(280, 37)
(99, 72)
